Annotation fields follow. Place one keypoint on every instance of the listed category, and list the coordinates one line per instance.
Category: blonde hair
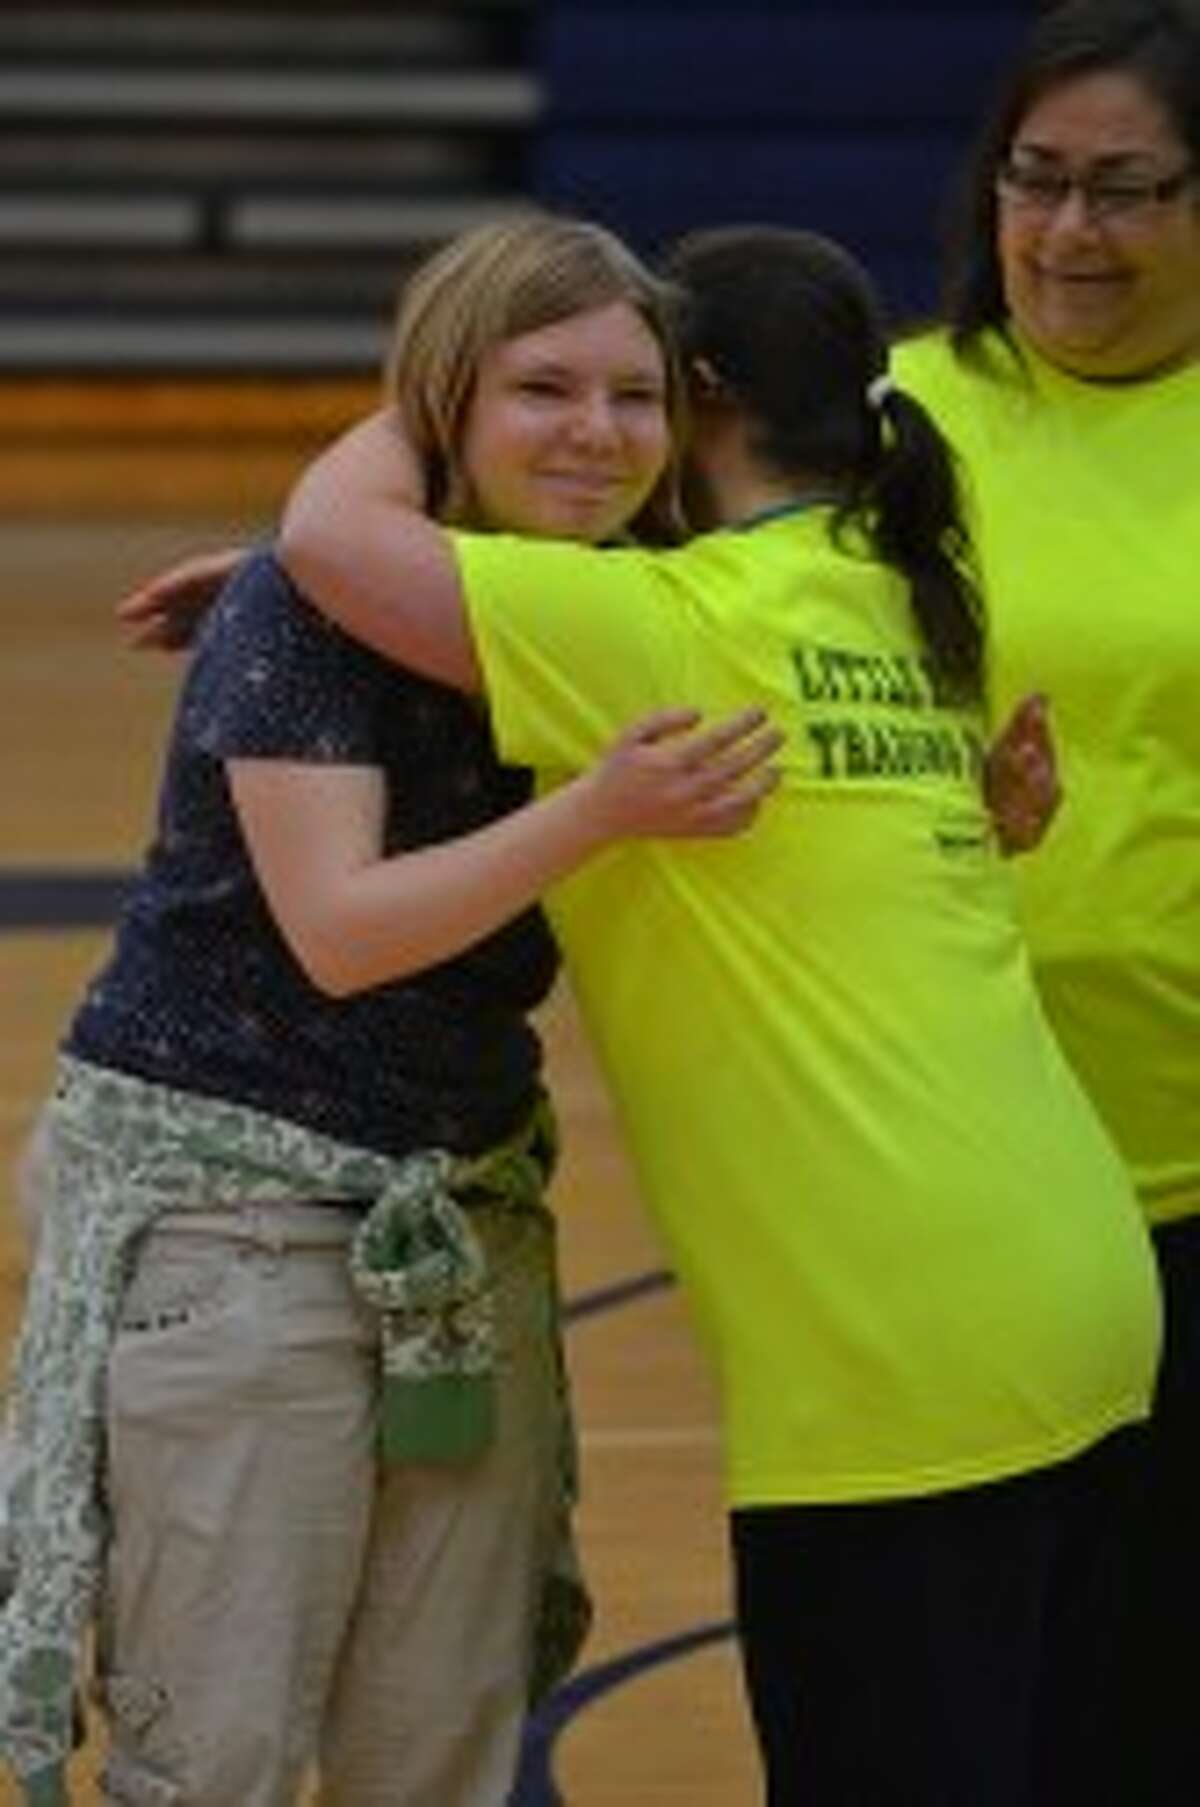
(492, 284)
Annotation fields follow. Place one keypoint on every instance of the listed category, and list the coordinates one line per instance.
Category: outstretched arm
(354, 919)
(353, 537)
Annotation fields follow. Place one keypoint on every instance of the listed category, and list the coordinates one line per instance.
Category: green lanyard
(778, 509)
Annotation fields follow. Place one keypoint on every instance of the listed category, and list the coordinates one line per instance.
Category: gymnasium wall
(850, 119)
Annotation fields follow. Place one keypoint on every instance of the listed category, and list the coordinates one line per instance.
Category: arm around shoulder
(354, 540)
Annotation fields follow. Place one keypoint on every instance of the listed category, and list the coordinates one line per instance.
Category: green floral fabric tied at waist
(417, 1263)
(122, 1154)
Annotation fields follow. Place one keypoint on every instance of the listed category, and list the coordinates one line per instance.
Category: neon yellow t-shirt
(1086, 501)
(913, 1254)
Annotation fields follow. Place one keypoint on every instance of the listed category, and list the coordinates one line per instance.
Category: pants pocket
(176, 1280)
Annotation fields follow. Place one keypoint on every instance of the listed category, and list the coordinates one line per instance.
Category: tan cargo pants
(272, 1596)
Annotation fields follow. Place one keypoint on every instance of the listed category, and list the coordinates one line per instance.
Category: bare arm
(355, 919)
(353, 537)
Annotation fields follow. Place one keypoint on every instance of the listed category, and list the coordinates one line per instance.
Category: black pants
(1160, 1674)
(950, 1651)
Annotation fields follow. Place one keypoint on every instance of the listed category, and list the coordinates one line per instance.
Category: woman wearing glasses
(1068, 377)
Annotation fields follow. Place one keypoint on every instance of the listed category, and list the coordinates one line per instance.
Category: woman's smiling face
(1103, 294)
(567, 433)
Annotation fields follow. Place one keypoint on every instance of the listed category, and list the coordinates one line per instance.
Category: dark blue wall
(849, 119)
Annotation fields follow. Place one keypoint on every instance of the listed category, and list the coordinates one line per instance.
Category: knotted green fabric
(413, 1264)
(123, 1153)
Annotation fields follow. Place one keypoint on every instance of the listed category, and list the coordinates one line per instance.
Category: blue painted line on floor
(622, 1292)
(536, 1786)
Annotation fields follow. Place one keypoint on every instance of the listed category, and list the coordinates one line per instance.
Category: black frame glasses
(1037, 188)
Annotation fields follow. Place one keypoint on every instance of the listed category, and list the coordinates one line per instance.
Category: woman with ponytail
(831, 421)
(906, 1242)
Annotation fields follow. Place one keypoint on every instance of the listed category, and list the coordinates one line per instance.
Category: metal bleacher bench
(224, 187)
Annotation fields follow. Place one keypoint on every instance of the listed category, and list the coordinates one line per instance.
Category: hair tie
(878, 390)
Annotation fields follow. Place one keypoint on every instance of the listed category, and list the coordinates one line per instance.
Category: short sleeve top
(201, 991)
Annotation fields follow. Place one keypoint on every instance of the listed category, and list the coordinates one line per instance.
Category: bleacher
(231, 186)
(220, 186)
(206, 209)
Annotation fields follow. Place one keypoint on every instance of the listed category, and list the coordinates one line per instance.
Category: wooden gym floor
(98, 488)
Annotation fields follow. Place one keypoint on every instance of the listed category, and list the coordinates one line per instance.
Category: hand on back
(1020, 778)
(669, 777)
(164, 614)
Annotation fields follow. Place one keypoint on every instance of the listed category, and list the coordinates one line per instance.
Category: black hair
(789, 324)
(1157, 42)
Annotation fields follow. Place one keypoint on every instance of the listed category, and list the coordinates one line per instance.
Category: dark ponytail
(789, 324)
(903, 496)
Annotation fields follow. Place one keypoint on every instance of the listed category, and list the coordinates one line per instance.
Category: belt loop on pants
(267, 1232)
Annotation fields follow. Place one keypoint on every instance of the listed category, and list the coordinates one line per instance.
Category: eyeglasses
(1034, 189)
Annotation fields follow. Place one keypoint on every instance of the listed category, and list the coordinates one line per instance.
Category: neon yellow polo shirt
(912, 1252)
(1086, 500)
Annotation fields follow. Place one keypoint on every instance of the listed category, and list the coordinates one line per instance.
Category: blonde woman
(294, 1305)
